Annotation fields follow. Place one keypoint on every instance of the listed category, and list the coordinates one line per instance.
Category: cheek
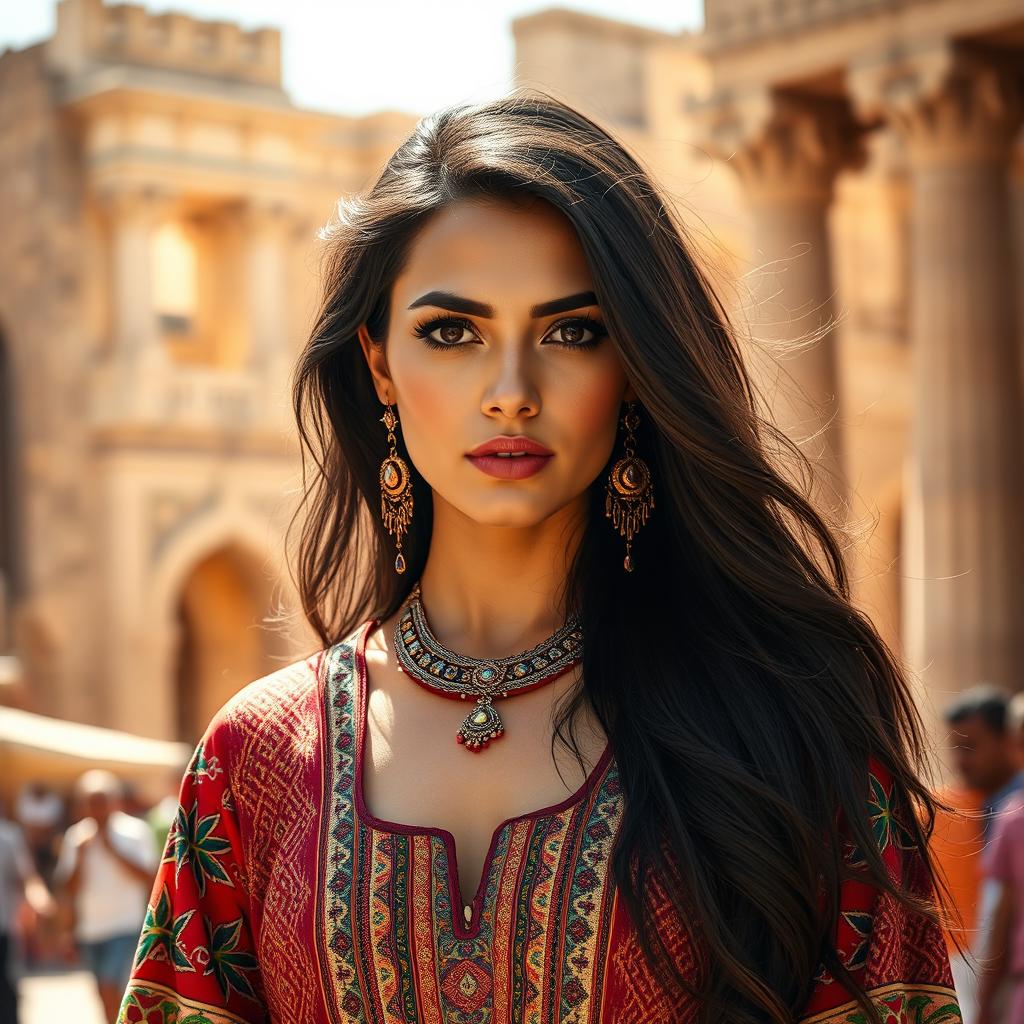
(430, 414)
(589, 416)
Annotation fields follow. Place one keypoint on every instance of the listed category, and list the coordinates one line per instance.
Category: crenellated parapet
(91, 34)
(738, 22)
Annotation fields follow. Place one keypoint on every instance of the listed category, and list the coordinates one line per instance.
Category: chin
(509, 512)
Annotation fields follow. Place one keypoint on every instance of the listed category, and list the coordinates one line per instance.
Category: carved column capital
(137, 203)
(270, 216)
(952, 102)
(784, 146)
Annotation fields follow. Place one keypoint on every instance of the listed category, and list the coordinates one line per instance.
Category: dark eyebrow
(446, 300)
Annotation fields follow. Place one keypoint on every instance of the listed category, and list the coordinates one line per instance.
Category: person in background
(105, 868)
(985, 760)
(40, 812)
(1003, 871)
(19, 880)
(161, 815)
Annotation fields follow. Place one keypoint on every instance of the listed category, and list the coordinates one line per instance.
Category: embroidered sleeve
(196, 959)
(899, 957)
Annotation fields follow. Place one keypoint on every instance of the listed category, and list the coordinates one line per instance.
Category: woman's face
(499, 365)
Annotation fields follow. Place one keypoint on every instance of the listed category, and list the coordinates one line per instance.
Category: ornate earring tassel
(630, 496)
(395, 490)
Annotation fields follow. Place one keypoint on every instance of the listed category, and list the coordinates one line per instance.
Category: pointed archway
(224, 641)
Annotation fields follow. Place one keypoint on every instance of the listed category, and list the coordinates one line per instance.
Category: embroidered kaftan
(281, 898)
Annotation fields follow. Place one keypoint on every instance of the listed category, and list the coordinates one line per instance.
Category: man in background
(106, 867)
(19, 881)
(985, 757)
(1003, 870)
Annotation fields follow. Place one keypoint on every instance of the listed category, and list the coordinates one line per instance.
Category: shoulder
(277, 709)
(277, 714)
(251, 707)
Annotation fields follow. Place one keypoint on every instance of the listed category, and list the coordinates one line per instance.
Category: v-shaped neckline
(460, 930)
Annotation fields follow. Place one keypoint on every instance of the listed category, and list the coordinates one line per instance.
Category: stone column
(1017, 230)
(787, 150)
(268, 227)
(958, 111)
(134, 214)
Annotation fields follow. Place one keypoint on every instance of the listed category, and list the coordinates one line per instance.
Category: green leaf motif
(161, 937)
(881, 813)
(227, 962)
(192, 841)
(861, 923)
(886, 827)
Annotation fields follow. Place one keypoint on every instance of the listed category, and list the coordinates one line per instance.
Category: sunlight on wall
(176, 284)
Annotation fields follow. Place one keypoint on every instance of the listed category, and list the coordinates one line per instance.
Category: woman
(569, 507)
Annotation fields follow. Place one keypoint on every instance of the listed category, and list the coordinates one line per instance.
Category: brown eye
(451, 333)
(574, 331)
(443, 332)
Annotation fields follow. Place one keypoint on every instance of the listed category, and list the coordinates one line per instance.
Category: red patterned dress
(281, 898)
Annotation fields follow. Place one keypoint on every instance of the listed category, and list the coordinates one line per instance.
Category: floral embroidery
(161, 936)
(191, 841)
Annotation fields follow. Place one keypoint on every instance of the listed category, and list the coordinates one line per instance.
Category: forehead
(497, 251)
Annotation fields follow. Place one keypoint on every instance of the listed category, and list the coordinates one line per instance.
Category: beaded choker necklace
(457, 676)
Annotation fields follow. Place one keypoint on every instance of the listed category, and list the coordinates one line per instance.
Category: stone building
(161, 197)
(850, 170)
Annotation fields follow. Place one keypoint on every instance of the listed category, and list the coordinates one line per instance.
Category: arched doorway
(224, 642)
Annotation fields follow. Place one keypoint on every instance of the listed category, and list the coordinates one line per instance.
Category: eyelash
(427, 327)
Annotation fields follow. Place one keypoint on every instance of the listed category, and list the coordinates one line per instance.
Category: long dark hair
(741, 690)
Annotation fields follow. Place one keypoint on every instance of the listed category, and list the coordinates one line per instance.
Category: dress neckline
(459, 928)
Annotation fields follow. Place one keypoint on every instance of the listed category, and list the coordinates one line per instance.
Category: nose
(513, 393)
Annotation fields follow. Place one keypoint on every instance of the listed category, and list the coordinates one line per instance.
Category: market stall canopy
(57, 751)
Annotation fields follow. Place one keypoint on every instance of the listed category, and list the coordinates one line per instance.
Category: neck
(493, 591)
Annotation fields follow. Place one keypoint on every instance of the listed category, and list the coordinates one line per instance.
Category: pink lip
(516, 468)
(510, 443)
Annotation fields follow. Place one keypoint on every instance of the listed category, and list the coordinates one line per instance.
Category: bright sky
(353, 56)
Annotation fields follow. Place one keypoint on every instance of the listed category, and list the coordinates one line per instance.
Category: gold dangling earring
(395, 489)
(630, 495)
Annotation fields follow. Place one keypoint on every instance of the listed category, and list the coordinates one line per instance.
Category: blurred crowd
(76, 872)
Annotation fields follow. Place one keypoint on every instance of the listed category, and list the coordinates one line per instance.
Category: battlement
(730, 22)
(91, 33)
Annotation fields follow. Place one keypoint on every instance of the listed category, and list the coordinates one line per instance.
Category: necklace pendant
(480, 726)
